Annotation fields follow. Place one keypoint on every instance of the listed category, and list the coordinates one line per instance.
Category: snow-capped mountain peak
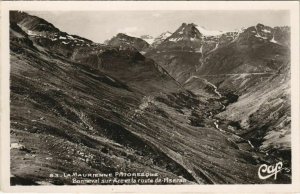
(186, 32)
(206, 32)
(149, 39)
(164, 35)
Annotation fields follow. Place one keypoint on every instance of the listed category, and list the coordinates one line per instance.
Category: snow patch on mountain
(62, 38)
(70, 37)
(175, 39)
(161, 38)
(266, 31)
(164, 35)
(149, 39)
(273, 40)
(206, 32)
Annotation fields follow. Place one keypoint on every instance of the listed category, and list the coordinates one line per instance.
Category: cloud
(128, 30)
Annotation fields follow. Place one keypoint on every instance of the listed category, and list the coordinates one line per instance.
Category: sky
(99, 26)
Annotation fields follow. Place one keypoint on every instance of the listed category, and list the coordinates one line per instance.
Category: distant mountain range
(206, 107)
(189, 35)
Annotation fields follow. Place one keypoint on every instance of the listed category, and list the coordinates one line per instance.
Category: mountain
(186, 37)
(69, 116)
(250, 70)
(162, 37)
(181, 53)
(92, 108)
(263, 113)
(153, 42)
(188, 51)
(149, 39)
(206, 32)
(261, 33)
(159, 39)
(122, 40)
(46, 35)
(255, 67)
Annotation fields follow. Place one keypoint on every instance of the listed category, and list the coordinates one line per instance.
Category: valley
(190, 106)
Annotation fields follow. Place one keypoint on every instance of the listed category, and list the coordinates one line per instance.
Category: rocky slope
(263, 114)
(91, 108)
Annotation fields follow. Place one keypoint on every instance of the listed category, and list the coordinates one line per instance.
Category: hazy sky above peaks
(102, 25)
